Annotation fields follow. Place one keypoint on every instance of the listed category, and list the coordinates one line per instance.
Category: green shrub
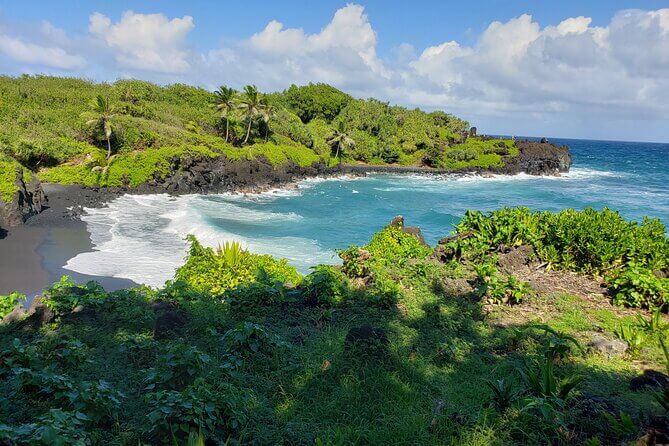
(499, 290)
(384, 292)
(326, 286)
(391, 244)
(639, 287)
(174, 415)
(8, 302)
(58, 427)
(64, 296)
(248, 338)
(208, 271)
(588, 241)
(177, 367)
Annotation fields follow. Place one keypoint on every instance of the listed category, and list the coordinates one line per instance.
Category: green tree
(340, 141)
(267, 113)
(251, 105)
(225, 103)
(104, 113)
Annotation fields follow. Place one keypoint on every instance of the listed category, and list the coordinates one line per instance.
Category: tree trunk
(108, 148)
(248, 132)
(266, 132)
(226, 129)
(337, 154)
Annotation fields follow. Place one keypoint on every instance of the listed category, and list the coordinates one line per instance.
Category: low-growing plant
(391, 244)
(495, 289)
(540, 381)
(98, 400)
(18, 355)
(623, 425)
(57, 428)
(177, 367)
(655, 324)
(355, 261)
(504, 393)
(69, 353)
(9, 301)
(637, 286)
(248, 338)
(384, 292)
(634, 336)
(215, 272)
(198, 408)
(326, 286)
(65, 295)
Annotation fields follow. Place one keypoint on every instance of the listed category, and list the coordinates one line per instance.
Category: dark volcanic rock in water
(28, 200)
(540, 158)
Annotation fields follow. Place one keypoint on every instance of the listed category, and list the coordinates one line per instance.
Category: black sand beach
(32, 256)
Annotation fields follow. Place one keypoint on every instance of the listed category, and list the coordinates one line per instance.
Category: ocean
(142, 237)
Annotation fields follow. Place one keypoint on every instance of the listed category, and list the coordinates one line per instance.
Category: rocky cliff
(539, 158)
(28, 200)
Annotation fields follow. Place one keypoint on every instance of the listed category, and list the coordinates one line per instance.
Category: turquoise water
(141, 237)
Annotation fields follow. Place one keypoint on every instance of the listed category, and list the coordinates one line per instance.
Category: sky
(596, 69)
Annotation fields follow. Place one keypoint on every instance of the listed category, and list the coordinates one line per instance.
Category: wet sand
(32, 256)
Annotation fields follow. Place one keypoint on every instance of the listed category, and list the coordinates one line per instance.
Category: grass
(278, 368)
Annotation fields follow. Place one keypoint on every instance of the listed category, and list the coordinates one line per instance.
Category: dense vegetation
(74, 131)
(401, 344)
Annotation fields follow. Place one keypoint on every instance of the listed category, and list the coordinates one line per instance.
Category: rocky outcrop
(202, 175)
(28, 200)
(539, 158)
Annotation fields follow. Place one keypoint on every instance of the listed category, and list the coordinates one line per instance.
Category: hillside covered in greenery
(502, 334)
(127, 133)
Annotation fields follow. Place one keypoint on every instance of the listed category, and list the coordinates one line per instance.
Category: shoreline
(34, 254)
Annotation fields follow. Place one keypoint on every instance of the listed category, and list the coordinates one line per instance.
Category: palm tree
(267, 113)
(251, 105)
(225, 103)
(104, 113)
(340, 141)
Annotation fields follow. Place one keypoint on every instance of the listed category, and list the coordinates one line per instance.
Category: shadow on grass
(426, 385)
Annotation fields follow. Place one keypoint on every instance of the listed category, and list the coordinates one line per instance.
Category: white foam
(142, 238)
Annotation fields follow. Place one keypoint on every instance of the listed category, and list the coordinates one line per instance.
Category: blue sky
(568, 68)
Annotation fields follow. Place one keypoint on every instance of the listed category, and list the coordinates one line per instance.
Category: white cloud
(515, 71)
(342, 53)
(36, 54)
(148, 42)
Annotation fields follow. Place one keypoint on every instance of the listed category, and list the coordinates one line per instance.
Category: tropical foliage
(78, 132)
(396, 346)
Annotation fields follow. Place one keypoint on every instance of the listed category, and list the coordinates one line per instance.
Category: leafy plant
(326, 285)
(8, 302)
(633, 336)
(498, 290)
(177, 367)
(623, 426)
(57, 428)
(64, 296)
(636, 286)
(198, 409)
(541, 382)
(249, 338)
(504, 393)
